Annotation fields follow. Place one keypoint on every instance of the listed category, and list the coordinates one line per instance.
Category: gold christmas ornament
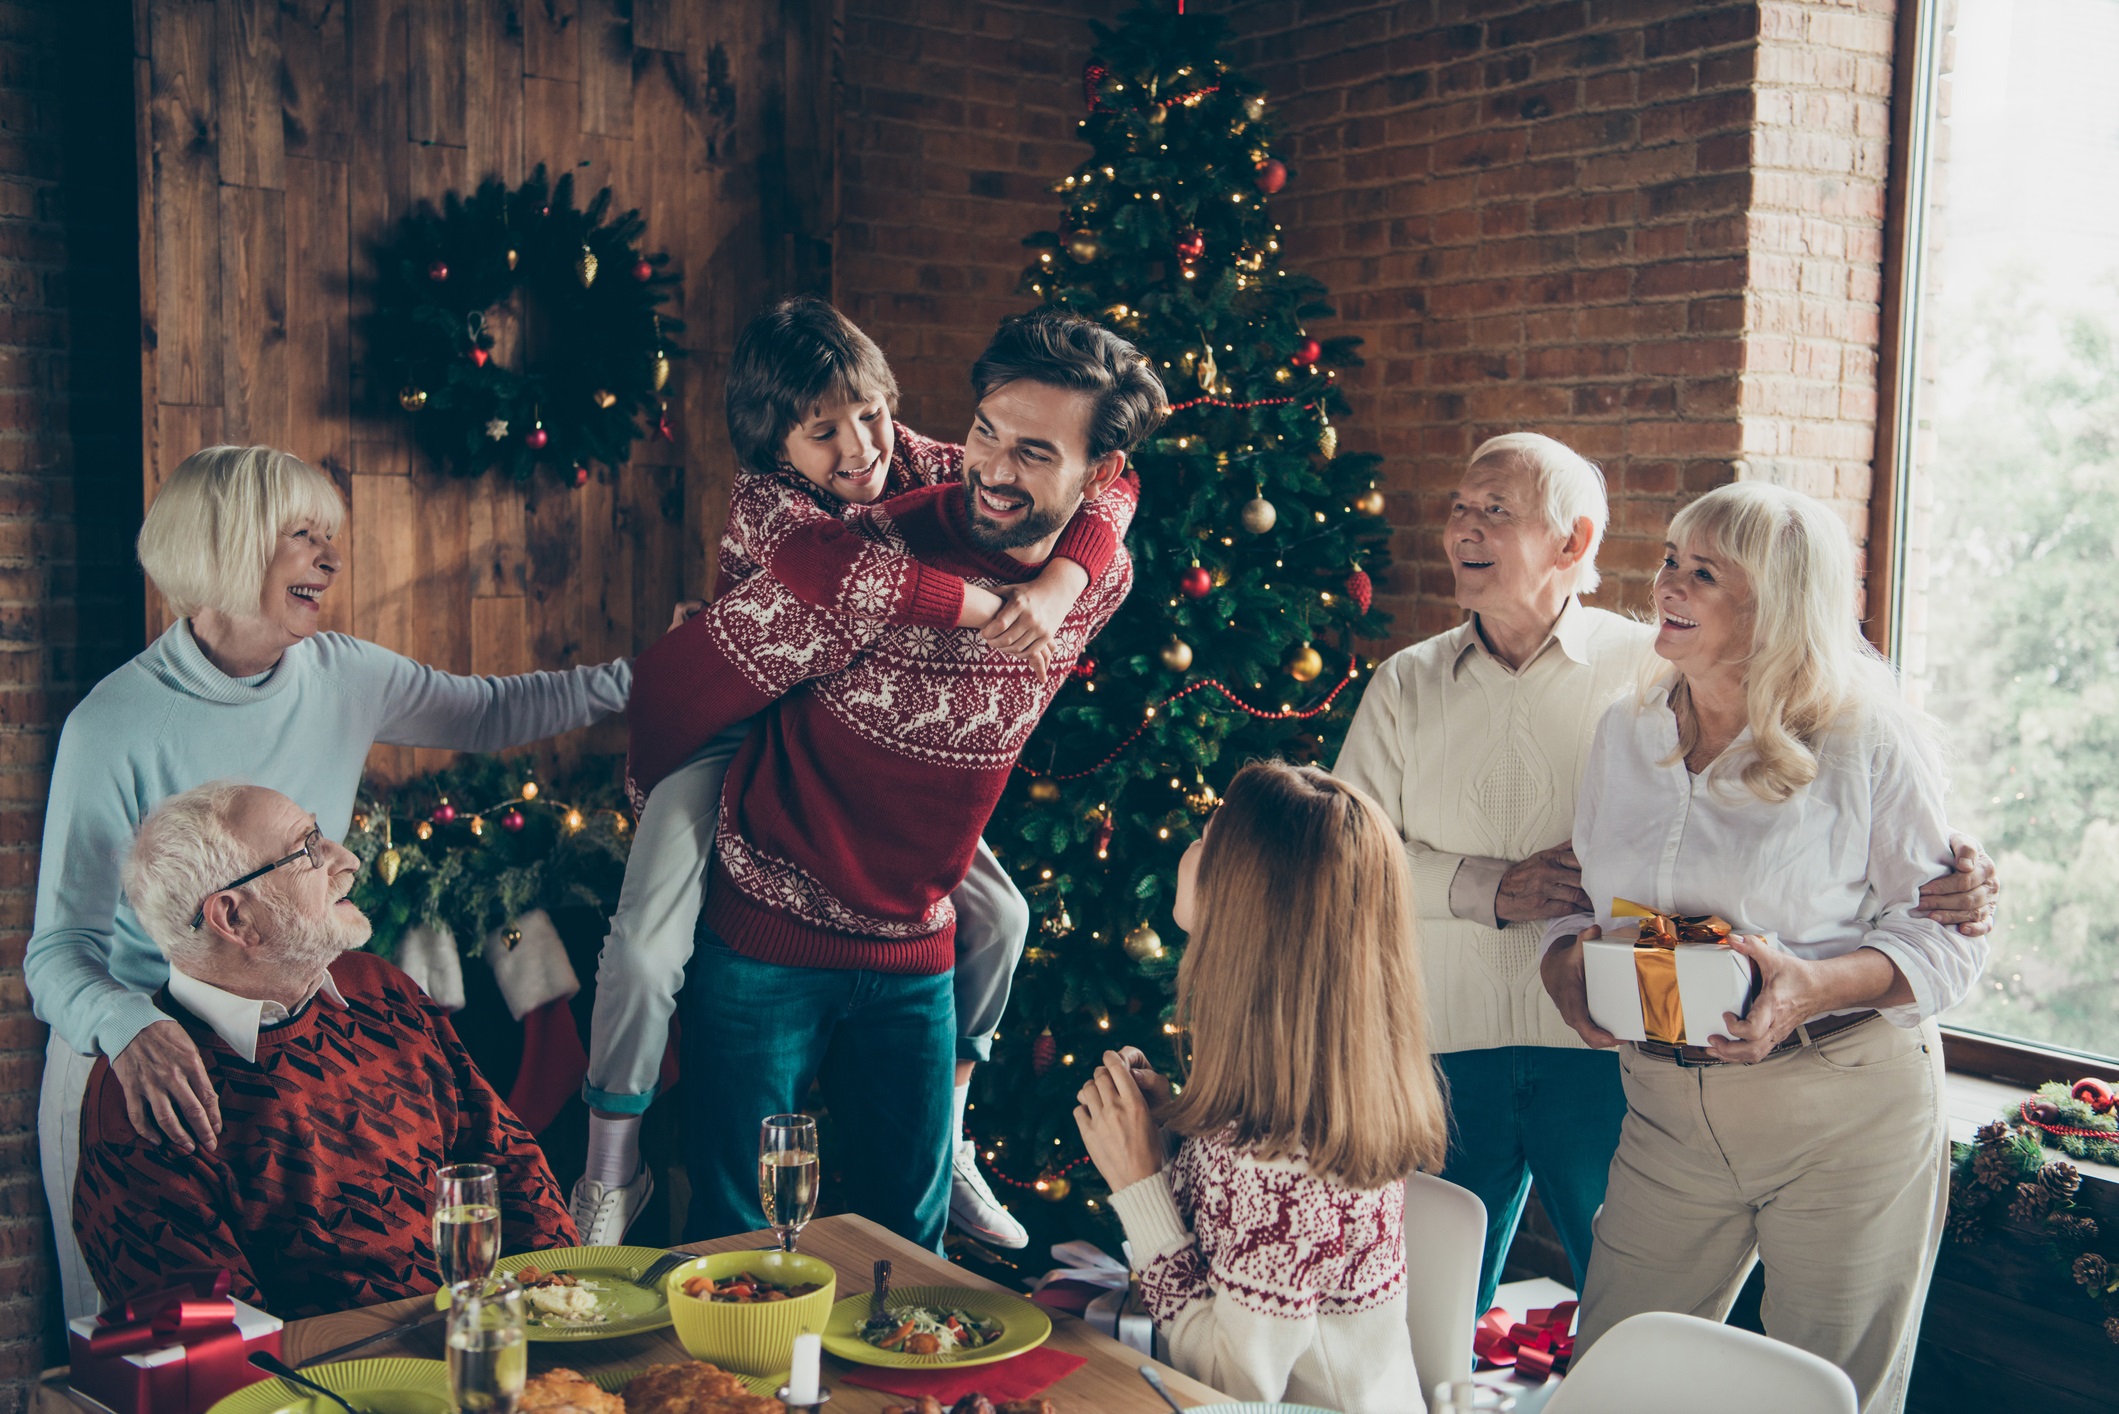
(658, 371)
(1259, 515)
(1328, 441)
(514, 257)
(585, 267)
(603, 398)
(1144, 944)
(1082, 247)
(387, 864)
(1203, 800)
(1044, 790)
(1208, 373)
(1177, 655)
(1306, 664)
(412, 399)
(1369, 502)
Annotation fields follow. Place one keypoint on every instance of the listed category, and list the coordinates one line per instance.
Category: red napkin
(1030, 1373)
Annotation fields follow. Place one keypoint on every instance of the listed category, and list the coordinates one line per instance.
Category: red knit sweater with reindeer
(853, 809)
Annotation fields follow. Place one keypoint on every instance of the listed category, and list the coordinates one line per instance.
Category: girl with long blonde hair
(1271, 1245)
(1770, 775)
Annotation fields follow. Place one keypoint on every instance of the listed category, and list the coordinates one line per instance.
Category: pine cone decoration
(1965, 1226)
(2092, 1271)
(1990, 1133)
(2082, 1229)
(2061, 1178)
(2031, 1203)
(1992, 1169)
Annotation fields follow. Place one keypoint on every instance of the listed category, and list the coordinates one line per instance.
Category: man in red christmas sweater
(854, 807)
(341, 1087)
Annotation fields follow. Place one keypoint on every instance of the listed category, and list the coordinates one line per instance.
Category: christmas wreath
(593, 353)
(2004, 1180)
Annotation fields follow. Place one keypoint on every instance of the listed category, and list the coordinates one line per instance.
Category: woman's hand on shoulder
(1117, 1130)
(1964, 897)
(1567, 985)
(168, 1094)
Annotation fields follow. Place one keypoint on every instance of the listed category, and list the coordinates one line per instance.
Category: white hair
(185, 849)
(1569, 487)
(216, 524)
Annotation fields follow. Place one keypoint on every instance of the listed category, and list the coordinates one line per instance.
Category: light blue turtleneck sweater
(169, 720)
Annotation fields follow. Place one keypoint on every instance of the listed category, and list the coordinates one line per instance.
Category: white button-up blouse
(1835, 867)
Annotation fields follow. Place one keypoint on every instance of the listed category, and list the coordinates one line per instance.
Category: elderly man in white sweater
(1473, 741)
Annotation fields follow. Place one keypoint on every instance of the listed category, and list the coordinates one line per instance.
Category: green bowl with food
(743, 1310)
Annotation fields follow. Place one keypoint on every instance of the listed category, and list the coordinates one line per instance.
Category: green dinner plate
(632, 1309)
(371, 1386)
(1024, 1326)
(615, 1381)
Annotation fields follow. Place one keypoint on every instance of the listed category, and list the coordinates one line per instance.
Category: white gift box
(1711, 980)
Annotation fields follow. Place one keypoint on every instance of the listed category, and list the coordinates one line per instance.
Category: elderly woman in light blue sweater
(239, 542)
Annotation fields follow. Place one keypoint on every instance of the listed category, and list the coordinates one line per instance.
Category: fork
(651, 1279)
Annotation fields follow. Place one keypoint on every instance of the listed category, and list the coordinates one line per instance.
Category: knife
(386, 1333)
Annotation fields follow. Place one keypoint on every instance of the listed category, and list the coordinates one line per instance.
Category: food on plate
(746, 1290)
(566, 1392)
(929, 1330)
(695, 1387)
(558, 1300)
(973, 1403)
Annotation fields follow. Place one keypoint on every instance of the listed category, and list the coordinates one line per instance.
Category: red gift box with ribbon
(179, 1350)
(1540, 1344)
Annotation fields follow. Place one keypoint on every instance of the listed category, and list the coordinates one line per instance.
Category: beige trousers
(1829, 1164)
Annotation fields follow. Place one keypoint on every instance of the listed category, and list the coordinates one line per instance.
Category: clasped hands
(1115, 1109)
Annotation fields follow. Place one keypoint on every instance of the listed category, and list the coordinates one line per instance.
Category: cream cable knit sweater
(1477, 766)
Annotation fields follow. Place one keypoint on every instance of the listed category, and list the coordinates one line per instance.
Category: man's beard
(1035, 525)
(305, 941)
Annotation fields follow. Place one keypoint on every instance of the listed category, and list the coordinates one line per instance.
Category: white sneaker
(973, 1209)
(604, 1213)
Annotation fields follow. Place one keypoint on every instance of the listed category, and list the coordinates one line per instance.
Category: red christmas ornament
(512, 821)
(1191, 244)
(1272, 175)
(643, 270)
(445, 814)
(438, 271)
(478, 356)
(1043, 1051)
(581, 476)
(1306, 353)
(2096, 1094)
(1197, 583)
(1084, 668)
(537, 438)
(1092, 80)
(1360, 589)
(2042, 1112)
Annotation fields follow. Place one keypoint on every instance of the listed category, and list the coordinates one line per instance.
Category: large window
(2009, 591)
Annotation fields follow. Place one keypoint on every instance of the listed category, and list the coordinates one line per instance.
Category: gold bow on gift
(1655, 963)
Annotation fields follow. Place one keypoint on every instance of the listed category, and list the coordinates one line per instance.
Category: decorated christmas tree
(1252, 556)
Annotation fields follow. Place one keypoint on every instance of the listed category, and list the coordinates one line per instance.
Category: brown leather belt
(1801, 1036)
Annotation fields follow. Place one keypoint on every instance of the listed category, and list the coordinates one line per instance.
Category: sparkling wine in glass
(488, 1358)
(466, 1222)
(787, 1174)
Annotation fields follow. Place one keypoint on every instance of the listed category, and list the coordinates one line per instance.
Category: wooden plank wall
(280, 139)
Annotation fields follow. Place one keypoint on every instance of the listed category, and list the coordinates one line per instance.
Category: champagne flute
(488, 1358)
(787, 1174)
(466, 1222)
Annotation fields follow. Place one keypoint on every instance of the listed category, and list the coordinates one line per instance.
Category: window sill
(1973, 1100)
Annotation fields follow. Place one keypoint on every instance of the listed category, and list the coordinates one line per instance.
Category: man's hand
(1117, 1130)
(1565, 983)
(1546, 885)
(1030, 615)
(167, 1088)
(1786, 999)
(686, 611)
(1963, 898)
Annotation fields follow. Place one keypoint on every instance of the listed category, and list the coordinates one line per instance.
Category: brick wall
(69, 507)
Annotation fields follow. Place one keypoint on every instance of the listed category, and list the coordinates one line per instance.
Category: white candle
(802, 1380)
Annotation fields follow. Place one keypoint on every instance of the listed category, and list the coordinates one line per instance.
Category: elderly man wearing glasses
(341, 1088)
(1473, 741)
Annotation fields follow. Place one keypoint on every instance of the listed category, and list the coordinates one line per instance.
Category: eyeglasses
(312, 850)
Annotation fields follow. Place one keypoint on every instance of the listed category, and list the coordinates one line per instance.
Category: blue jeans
(1533, 1112)
(884, 1045)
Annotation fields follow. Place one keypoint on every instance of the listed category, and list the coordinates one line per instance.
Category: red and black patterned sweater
(320, 1193)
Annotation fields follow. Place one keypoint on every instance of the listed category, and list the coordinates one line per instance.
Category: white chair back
(1445, 1237)
(1660, 1362)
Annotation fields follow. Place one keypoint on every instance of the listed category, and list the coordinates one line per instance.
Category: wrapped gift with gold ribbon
(1674, 967)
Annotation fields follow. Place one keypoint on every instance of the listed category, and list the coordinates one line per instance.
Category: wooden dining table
(1109, 1383)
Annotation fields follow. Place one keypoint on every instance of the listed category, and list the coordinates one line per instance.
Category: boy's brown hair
(797, 355)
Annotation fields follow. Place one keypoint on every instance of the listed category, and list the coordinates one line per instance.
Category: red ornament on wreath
(2095, 1093)
(1043, 1052)
(1191, 244)
(1361, 589)
(643, 271)
(512, 822)
(581, 476)
(445, 814)
(537, 438)
(1306, 353)
(1272, 175)
(1197, 583)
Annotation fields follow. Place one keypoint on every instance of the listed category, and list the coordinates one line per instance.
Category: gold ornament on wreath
(447, 278)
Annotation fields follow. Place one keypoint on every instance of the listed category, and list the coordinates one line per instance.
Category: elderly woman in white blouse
(1772, 776)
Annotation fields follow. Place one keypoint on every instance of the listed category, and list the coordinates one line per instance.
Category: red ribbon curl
(196, 1312)
(1538, 1345)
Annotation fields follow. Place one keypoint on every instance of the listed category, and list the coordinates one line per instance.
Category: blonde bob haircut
(1565, 485)
(217, 521)
(1809, 670)
(1300, 994)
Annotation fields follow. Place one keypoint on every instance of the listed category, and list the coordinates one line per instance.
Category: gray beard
(303, 943)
